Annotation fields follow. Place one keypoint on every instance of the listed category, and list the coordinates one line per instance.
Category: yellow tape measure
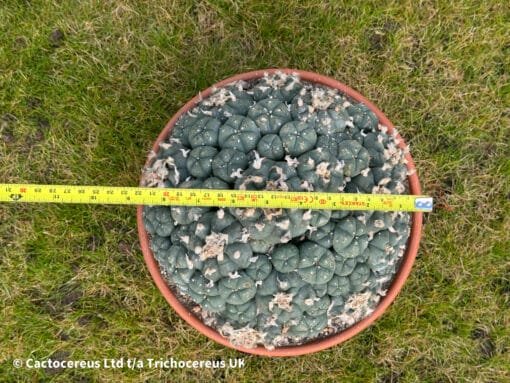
(206, 197)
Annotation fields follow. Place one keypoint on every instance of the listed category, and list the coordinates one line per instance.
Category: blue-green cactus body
(344, 234)
(298, 225)
(202, 227)
(300, 109)
(199, 161)
(238, 290)
(337, 306)
(174, 156)
(297, 137)
(215, 183)
(281, 170)
(330, 122)
(269, 115)
(278, 277)
(321, 169)
(247, 217)
(288, 281)
(183, 215)
(344, 266)
(227, 266)
(285, 258)
(160, 245)
(239, 133)
(316, 263)
(204, 132)
(181, 128)
(271, 146)
(362, 183)
(182, 267)
(264, 230)
(363, 117)
(270, 325)
(211, 270)
(319, 306)
(321, 289)
(282, 89)
(376, 260)
(319, 218)
(323, 235)
(260, 268)
(355, 157)
(260, 246)
(201, 286)
(309, 325)
(286, 315)
(240, 253)
(214, 304)
(339, 286)
(263, 304)
(227, 162)
(234, 233)
(158, 220)
(359, 276)
(269, 285)
(243, 313)
(238, 101)
(331, 142)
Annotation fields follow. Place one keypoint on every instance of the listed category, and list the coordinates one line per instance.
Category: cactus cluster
(277, 277)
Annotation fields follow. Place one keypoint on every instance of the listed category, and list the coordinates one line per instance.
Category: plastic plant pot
(334, 339)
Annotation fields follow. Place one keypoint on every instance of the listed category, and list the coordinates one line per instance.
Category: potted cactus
(279, 281)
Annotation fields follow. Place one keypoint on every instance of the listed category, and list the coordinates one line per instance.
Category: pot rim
(320, 344)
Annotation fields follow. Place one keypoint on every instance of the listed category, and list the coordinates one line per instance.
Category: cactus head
(269, 276)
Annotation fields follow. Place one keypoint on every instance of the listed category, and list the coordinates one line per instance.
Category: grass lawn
(85, 88)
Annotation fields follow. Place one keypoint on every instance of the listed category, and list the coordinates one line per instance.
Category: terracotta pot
(321, 344)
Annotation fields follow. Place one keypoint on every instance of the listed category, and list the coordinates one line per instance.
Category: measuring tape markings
(210, 197)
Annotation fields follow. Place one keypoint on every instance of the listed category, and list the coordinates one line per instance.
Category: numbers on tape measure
(209, 197)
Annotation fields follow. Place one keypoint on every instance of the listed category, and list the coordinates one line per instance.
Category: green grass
(85, 109)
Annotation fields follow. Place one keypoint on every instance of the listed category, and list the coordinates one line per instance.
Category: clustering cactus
(277, 277)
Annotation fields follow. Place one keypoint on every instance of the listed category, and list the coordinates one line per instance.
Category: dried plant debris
(276, 277)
